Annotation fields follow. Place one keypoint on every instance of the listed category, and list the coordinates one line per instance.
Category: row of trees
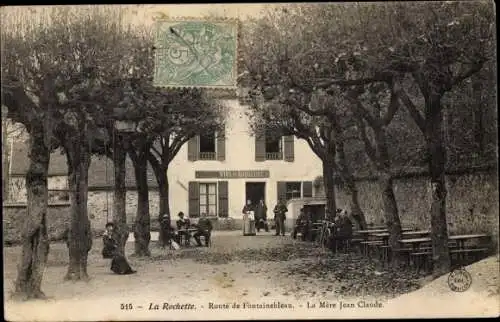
(337, 75)
(80, 80)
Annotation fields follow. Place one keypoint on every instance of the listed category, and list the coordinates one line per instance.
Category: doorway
(255, 191)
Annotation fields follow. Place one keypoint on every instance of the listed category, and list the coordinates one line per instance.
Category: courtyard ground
(248, 271)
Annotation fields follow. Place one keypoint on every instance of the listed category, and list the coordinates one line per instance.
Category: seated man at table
(343, 229)
(168, 231)
(302, 225)
(204, 226)
(182, 225)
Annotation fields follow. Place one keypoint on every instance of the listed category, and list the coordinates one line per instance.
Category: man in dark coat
(261, 216)
(299, 224)
(280, 211)
(119, 264)
(168, 231)
(204, 229)
(182, 225)
(343, 228)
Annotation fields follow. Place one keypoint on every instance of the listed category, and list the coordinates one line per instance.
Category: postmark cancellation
(196, 52)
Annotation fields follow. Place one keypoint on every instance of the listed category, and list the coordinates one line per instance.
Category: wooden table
(385, 235)
(415, 242)
(462, 238)
(379, 231)
(188, 232)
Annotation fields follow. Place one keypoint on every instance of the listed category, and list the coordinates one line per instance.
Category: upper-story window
(207, 146)
(274, 147)
(269, 145)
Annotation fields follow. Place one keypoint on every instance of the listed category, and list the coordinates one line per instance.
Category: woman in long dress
(119, 264)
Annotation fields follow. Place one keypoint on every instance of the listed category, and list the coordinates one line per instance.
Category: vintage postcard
(250, 161)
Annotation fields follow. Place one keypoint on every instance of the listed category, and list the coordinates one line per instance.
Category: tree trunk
(120, 195)
(477, 114)
(79, 235)
(5, 161)
(391, 212)
(437, 162)
(350, 187)
(142, 224)
(35, 247)
(163, 189)
(329, 184)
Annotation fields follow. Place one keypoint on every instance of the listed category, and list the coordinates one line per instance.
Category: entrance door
(255, 191)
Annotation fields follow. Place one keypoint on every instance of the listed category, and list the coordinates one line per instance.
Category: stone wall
(57, 189)
(472, 205)
(472, 202)
(14, 215)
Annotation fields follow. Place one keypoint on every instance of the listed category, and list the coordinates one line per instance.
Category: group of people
(341, 227)
(119, 264)
(260, 215)
(170, 234)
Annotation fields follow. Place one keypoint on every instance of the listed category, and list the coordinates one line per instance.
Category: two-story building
(216, 173)
(213, 173)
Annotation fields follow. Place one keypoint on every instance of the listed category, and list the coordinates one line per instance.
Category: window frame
(205, 208)
(208, 156)
(275, 155)
(287, 192)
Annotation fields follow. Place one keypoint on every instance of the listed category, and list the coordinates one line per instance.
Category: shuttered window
(223, 199)
(260, 146)
(208, 199)
(307, 189)
(194, 199)
(209, 146)
(221, 145)
(293, 190)
(193, 148)
(289, 148)
(272, 147)
(281, 188)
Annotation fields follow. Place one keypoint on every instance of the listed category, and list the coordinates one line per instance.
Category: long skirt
(120, 266)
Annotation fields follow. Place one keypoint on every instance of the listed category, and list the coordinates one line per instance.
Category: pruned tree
(430, 46)
(181, 115)
(274, 64)
(61, 65)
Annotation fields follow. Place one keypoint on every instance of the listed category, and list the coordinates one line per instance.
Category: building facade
(216, 173)
(213, 174)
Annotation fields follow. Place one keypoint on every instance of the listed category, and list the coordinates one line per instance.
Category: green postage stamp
(196, 53)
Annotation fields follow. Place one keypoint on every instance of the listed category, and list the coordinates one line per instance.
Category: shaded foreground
(235, 268)
(294, 268)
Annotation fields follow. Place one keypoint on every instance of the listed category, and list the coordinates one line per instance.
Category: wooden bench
(463, 254)
(367, 244)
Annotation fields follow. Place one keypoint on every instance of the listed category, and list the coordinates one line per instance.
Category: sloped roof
(101, 171)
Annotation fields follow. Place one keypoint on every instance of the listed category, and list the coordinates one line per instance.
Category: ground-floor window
(208, 199)
(293, 190)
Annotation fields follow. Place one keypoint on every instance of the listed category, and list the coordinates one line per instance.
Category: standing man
(279, 217)
(261, 216)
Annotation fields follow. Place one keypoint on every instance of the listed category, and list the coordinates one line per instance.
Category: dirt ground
(248, 271)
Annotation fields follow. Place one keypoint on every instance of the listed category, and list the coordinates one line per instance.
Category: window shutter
(281, 187)
(194, 199)
(260, 145)
(289, 148)
(193, 148)
(221, 145)
(307, 189)
(223, 199)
